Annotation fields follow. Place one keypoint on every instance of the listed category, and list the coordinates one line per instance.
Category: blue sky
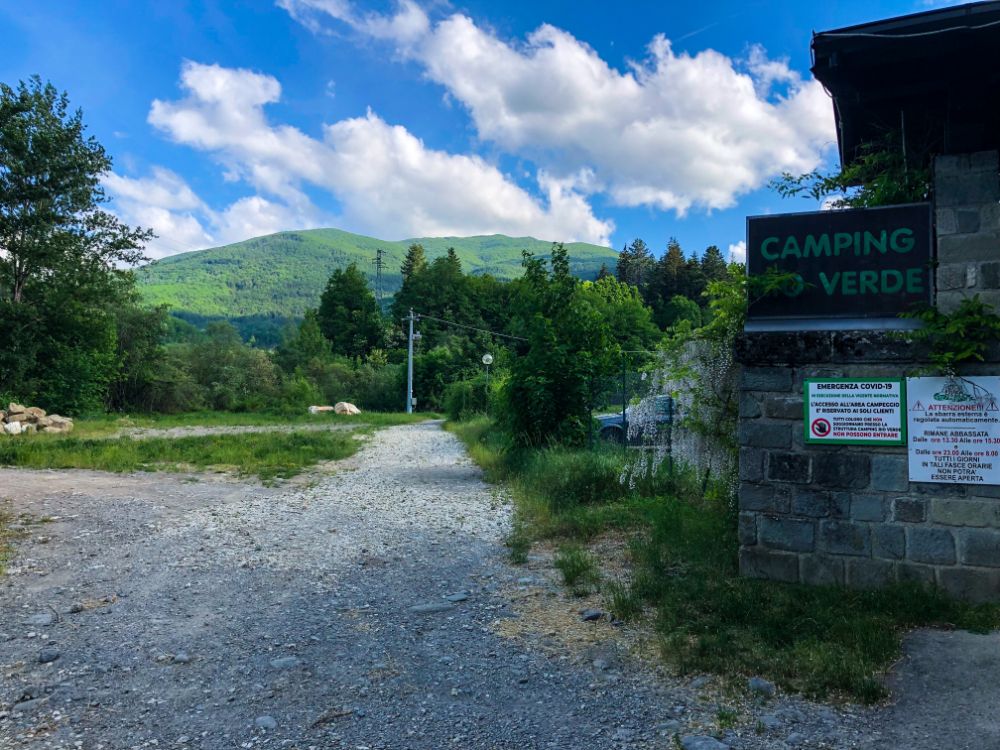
(586, 121)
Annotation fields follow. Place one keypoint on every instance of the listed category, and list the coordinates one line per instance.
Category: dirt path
(374, 608)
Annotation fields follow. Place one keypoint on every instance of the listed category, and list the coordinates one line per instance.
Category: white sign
(854, 411)
(954, 426)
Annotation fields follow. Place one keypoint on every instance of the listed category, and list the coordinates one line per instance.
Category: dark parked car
(614, 428)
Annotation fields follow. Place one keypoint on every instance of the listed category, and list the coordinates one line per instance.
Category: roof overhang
(934, 77)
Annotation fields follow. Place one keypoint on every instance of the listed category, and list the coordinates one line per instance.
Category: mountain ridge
(282, 275)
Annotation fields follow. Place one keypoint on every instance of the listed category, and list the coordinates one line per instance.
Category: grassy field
(267, 455)
(111, 424)
(822, 641)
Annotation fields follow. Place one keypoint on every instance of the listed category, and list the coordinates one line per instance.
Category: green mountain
(280, 276)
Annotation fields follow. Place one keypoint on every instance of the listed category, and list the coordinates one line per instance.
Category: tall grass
(821, 641)
(267, 455)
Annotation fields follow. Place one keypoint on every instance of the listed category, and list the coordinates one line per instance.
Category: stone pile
(17, 420)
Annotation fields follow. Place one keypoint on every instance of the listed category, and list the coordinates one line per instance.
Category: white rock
(12, 428)
(342, 407)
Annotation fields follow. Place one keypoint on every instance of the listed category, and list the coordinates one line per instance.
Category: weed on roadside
(578, 567)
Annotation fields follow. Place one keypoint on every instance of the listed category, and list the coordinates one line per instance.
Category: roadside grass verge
(825, 642)
(269, 456)
(109, 424)
(7, 537)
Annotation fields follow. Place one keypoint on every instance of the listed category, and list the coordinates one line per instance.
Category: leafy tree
(570, 347)
(681, 308)
(50, 194)
(139, 348)
(630, 321)
(415, 261)
(300, 346)
(348, 314)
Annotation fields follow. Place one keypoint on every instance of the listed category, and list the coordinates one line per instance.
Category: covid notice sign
(954, 428)
(855, 411)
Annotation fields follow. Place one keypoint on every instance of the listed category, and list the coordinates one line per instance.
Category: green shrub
(466, 398)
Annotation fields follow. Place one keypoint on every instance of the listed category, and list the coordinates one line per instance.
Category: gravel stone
(286, 662)
(591, 615)
(760, 686)
(430, 609)
(702, 742)
(265, 722)
(42, 619)
(48, 655)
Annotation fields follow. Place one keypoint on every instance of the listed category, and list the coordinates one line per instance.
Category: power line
(470, 328)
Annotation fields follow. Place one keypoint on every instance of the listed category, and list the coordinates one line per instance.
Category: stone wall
(824, 514)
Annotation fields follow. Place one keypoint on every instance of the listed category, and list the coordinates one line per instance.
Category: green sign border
(855, 441)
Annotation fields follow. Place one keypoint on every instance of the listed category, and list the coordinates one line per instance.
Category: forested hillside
(260, 283)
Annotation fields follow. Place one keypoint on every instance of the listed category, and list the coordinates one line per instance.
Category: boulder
(345, 408)
(320, 409)
(13, 408)
(27, 427)
(35, 412)
(12, 428)
(20, 416)
(59, 424)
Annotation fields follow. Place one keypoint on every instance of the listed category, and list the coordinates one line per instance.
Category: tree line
(77, 339)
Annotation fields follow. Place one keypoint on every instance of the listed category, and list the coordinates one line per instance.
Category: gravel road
(374, 608)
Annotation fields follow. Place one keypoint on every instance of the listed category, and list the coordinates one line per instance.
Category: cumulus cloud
(165, 203)
(674, 131)
(387, 181)
(738, 252)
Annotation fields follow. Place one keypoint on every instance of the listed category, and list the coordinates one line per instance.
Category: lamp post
(487, 360)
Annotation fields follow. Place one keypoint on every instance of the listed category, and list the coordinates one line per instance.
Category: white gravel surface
(371, 609)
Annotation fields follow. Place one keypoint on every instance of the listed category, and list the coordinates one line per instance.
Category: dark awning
(934, 77)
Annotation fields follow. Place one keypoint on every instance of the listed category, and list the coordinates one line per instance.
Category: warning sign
(855, 411)
(954, 428)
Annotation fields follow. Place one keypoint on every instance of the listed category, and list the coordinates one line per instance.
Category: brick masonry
(848, 515)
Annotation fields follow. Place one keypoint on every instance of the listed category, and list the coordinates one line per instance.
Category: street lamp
(487, 360)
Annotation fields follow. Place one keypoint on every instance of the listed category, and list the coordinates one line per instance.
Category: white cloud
(738, 252)
(675, 131)
(388, 182)
(165, 203)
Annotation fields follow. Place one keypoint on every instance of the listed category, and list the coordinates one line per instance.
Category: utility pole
(409, 366)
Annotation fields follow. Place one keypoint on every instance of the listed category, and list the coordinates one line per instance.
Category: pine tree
(604, 273)
(415, 261)
(349, 315)
(713, 265)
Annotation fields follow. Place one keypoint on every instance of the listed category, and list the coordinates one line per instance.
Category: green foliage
(821, 641)
(578, 567)
(882, 175)
(679, 309)
(348, 314)
(960, 336)
(464, 399)
(303, 345)
(570, 347)
(283, 275)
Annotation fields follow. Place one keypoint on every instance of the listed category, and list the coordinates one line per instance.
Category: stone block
(764, 498)
(842, 470)
(751, 464)
(972, 584)
(907, 572)
(759, 433)
(786, 407)
(868, 508)
(888, 542)
(767, 379)
(929, 545)
(952, 276)
(820, 503)
(989, 276)
(756, 562)
(789, 534)
(821, 570)
(748, 529)
(789, 467)
(870, 574)
(845, 538)
(967, 248)
(962, 512)
(749, 406)
(909, 509)
(934, 489)
(890, 472)
(945, 221)
(990, 491)
(980, 547)
(966, 188)
(968, 220)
